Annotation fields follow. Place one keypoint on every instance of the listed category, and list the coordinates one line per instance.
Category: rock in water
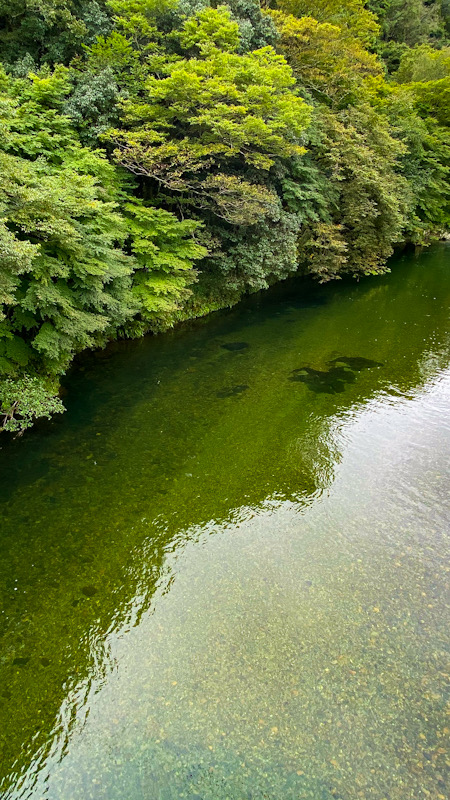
(232, 391)
(331, 381)
(89, 590)
(235, 346)
(356, 362)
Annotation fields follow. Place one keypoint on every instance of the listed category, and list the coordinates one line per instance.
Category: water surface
(224, 570)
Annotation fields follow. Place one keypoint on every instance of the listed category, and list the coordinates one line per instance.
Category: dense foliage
(159, 158)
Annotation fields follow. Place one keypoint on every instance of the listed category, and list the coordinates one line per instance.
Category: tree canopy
(159, 158)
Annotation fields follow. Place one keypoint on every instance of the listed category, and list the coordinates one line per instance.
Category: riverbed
(225, 569)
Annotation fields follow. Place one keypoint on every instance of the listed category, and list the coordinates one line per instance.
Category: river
(224, 571)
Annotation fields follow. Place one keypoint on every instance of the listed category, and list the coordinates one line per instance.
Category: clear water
(224, 572)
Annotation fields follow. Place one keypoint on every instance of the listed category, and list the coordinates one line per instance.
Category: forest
(161, 158)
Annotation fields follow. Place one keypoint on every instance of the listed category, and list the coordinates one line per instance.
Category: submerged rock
(235, 346)
(356, 362)
(89, 590)
(340, 372)
(21, 661)
(232, 391)
(331, 381)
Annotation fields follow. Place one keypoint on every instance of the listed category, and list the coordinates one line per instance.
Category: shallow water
(225, 569)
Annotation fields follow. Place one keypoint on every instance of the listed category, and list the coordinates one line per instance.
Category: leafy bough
(23, 401)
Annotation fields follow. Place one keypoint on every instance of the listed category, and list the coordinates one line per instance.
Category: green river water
(224, 571)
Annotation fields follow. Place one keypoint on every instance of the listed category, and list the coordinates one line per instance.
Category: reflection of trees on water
(158, 444)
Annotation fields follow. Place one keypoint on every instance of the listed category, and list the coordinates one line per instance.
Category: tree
(33, 32)
(368, 197)
(419, 115)
(165, 252)
(408, 21)
(24, 400)
(423, 63)
(256, 29)
(326, 60)
(255, 256)
(77, 287)
(213, 127)
(350, 15)
(69, 253)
